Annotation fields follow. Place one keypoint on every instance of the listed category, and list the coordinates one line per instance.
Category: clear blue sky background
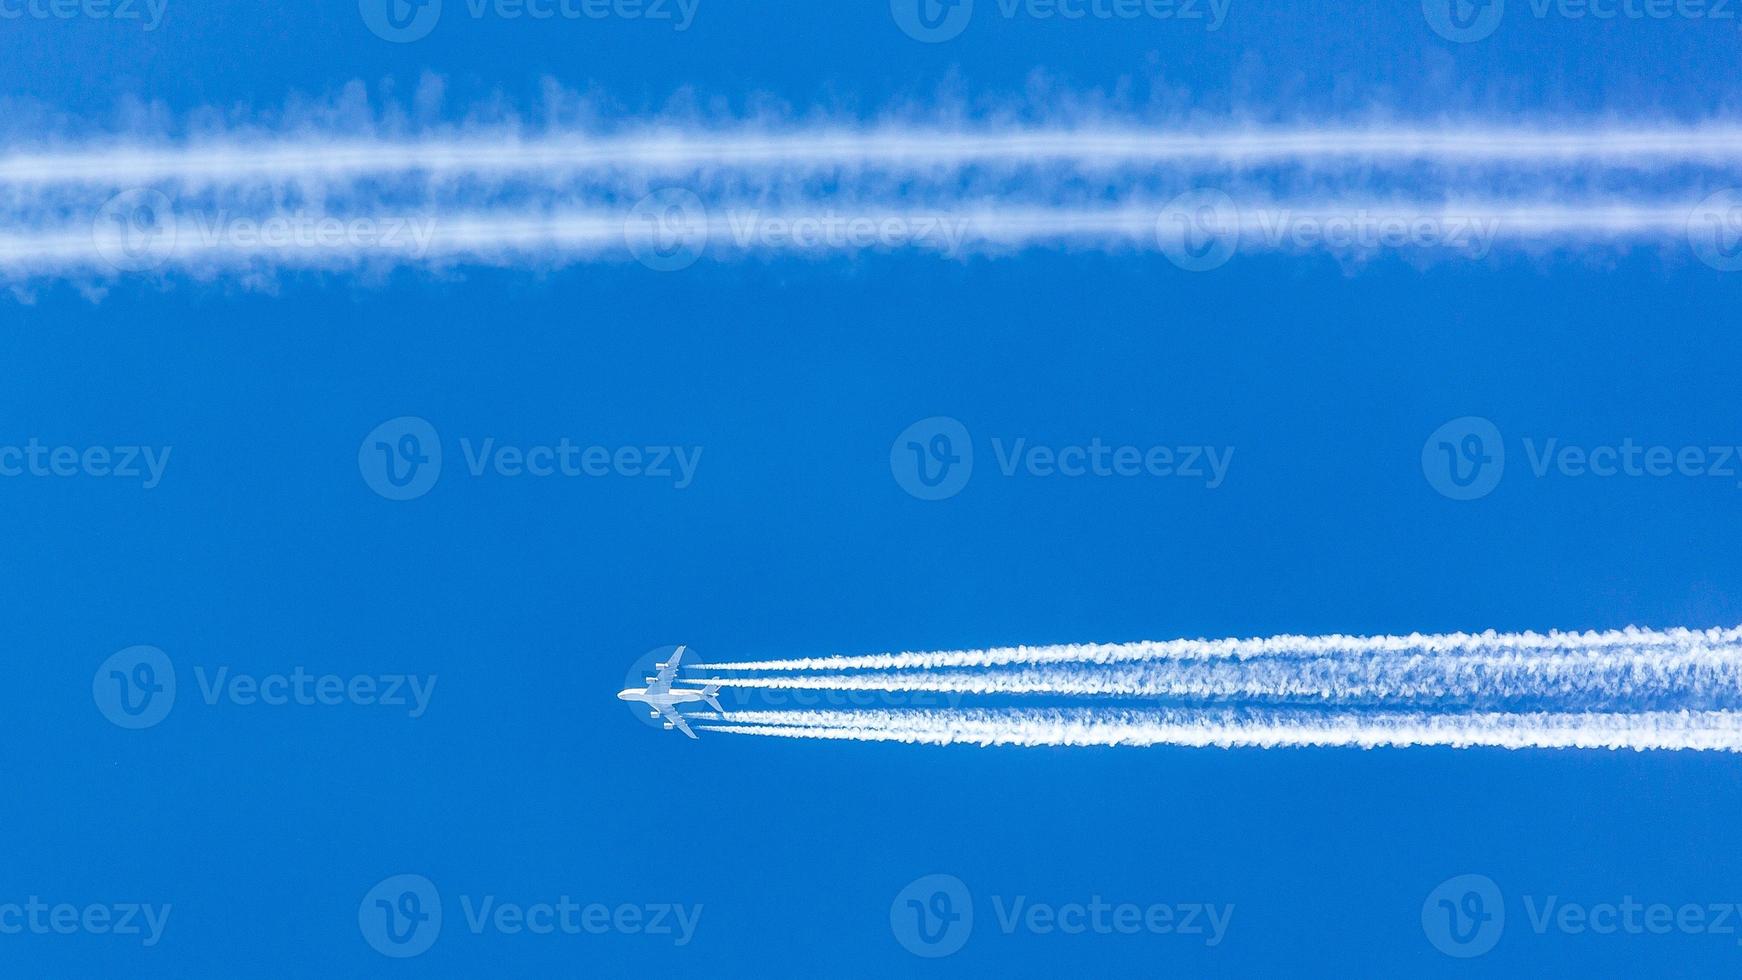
(264, 549)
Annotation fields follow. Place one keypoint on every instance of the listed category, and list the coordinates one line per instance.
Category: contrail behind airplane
(251, 201)
(1698, 677)
(1285, 645)
(369, 233)
(1706, 731)
(1632, 688)
(668, 151)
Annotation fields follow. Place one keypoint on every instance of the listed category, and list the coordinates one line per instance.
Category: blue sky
(266, 547)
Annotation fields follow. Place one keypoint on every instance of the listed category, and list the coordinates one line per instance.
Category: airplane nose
(623, 695)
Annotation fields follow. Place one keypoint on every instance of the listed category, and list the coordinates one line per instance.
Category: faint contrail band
(1632, 688)
(383, 234)
(665, 192)
(315, 156)
(1694, 676)
(1706, 731)
(1645, 641)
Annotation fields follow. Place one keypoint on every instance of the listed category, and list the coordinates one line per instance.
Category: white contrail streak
(319, 157)
(667, 191)
(295, 240)
(1632, 688)
(1646, 641)
(1707, 730)
(1695, 676)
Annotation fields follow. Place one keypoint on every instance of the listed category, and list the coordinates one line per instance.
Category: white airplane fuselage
(669, 698)
(662, 698)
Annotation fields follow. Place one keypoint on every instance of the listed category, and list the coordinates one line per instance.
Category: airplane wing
(667, 674)
(677, 720)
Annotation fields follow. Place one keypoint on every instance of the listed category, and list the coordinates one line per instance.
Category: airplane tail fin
(710, 694)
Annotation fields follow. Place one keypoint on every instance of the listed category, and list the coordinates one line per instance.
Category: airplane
(663, 698)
